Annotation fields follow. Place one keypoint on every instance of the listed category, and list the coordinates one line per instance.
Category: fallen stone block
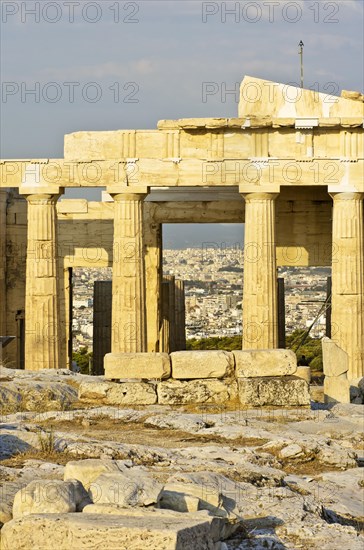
(51, 496)
(131, 393)
(88, 470)
(266, 362)
(93, 390)
(180, 502)
(209, 497)
(135, 487)
(304, 373)
(175, 392)
(335, 359)
(220, 528)
(139, 366)
(335, 455)
(291, 451)
(115, 393)
(111, 532)
(210, 487)
(275, 391)
(189, 365)
(337, 389)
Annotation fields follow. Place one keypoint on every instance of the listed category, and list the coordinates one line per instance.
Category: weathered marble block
(88, 470)
(124, 393)
(266, 362)
(189, 365)
(337, 389)
(274, 391)
(137, 365)
(110, 532)
(335, 359)
(175, 392)
(304, 373)
(51, 496)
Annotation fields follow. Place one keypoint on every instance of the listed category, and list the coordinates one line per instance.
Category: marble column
(260, 309)
(42, 322)
(171, 311)
(3, 196)
(347, 320)
(153, 283)
(180, 315)
(165, 328)
(129, 325)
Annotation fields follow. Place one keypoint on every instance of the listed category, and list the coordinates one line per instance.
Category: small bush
(317, 364)
(47, 441)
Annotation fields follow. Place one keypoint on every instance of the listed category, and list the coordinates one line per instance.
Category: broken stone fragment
(291, 451)
(88, 470)
(180, 502)
(335, 359)
(337, 389)
(134, 487)
(51, 496)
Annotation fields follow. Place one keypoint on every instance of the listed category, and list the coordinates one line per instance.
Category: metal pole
(301, 45)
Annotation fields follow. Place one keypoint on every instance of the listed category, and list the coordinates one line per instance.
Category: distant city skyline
(202, 235)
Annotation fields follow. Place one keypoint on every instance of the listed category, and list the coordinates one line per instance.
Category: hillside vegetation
(309, 348)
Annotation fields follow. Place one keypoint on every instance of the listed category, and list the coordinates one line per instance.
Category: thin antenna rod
(301, 45)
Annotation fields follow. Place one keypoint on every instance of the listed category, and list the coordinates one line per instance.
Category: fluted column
(42, 344)
(180, 315)
(260, 310)
(3, 195)
(165, 328)
(348, 278)
(153, 282)
(129, 326)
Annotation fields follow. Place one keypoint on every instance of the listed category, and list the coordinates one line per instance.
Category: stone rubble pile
(236, 494)
(119, 507)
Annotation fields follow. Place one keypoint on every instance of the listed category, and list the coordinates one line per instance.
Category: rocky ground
(270, 478)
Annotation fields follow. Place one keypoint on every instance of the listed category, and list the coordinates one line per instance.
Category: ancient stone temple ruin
(290, 167)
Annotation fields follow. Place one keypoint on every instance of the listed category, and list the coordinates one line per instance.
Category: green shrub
(82, 359)
(317, 364)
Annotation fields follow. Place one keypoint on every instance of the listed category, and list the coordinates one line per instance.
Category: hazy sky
(117, 64)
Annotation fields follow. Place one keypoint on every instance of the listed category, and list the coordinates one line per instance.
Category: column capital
(259, 196)
(33, 190)
(119, 192)
(41, 198)
(262, 188)
(347, 196)
(129, 196)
